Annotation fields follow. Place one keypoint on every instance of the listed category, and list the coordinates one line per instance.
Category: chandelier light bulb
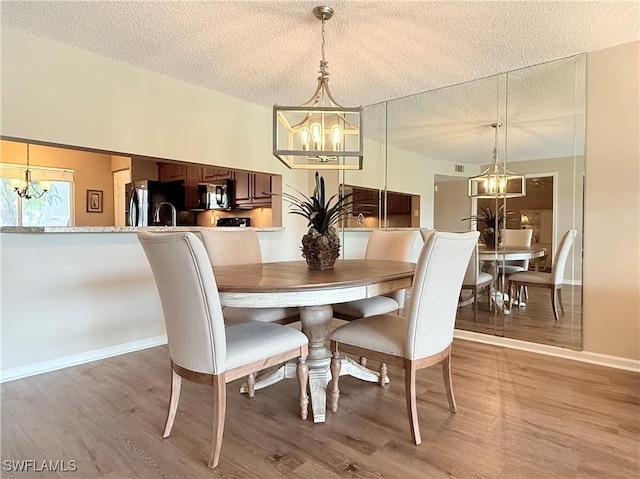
(336, 137)
(316, 136)
(305, 137)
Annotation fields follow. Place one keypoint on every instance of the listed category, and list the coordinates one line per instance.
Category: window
(52, 209)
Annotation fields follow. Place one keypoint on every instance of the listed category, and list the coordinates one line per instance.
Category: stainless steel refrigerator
(144, 196)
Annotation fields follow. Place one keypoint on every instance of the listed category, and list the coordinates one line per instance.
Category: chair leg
(219, 411)
(334, 392)
(384, 379)
(410, 395)
(560, 299)
(251, 384)
(475, 303)
(302, 371)
(448, 384)
(176, 382)
(554, 304)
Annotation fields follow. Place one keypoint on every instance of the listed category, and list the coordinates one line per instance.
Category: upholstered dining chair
(552, 280)
(515, 238)
(200, 347)
(424, 336)
(228, 248)
(476, 280)
(382, 244)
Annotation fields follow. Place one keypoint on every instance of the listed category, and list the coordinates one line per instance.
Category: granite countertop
(123, 229)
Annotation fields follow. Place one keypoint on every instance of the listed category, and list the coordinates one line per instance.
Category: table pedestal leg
(316, 324)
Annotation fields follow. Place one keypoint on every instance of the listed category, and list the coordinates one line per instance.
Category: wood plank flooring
(520, 415)
(533, 323)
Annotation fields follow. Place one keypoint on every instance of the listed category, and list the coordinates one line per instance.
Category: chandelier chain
(323, 63)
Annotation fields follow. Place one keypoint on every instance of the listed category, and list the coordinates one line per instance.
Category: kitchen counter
(123, 229)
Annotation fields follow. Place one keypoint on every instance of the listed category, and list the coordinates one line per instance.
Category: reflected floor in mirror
(534, 323)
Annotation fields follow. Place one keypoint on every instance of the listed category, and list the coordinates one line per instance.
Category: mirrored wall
(420, 150)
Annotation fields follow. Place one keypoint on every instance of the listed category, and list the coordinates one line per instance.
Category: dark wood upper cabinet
(252, 189)
(213, 174)
(398, 204)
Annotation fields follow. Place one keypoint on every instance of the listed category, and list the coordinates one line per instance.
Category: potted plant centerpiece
(494, 223)
(321, 244)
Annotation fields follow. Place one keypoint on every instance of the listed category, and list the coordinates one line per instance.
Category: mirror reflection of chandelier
(496, 181)
(319, 134)
(25, 187)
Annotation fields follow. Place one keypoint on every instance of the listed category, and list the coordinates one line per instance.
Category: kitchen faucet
(156, 214)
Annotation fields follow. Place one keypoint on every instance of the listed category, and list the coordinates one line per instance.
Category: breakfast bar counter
(124, 229)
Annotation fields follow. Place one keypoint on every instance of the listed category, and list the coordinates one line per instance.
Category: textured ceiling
(267, 52)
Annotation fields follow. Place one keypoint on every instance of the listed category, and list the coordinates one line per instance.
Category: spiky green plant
(320, 214)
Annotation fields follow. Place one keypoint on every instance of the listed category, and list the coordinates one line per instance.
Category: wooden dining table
(493, 256)
(293, 284)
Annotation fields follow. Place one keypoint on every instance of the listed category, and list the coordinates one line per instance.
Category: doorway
(120, 179)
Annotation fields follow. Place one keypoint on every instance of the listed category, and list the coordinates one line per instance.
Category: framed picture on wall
(94, 201)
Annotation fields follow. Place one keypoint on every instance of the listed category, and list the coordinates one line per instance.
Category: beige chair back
(516, 238)
(190, 301)
(390, 245)
(227, 248)
(393, 246)
(473, 267)
(560, 258)
(426, 234)
(436, 288)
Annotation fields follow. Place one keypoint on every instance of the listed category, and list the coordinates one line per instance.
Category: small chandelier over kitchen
(496, 181)
(319, 134)
(25, 187)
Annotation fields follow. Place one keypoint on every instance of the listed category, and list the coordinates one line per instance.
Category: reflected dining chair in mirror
(553, 280)
(200, 347)
(227, 248)
(382, 245)
(421, 338)
(513, 239)
(477, 280)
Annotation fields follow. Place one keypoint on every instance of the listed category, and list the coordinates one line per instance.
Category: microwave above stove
(240, 222)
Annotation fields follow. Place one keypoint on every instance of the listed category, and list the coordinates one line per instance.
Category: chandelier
(25, 187)
(496, 181)
(320, 133)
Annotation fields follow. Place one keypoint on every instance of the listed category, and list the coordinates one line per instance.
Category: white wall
(611, 285)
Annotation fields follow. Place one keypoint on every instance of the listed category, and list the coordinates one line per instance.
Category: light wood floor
(534, 323)
(520, 415)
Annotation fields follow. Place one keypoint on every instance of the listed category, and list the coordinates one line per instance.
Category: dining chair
(515, 238)
(385, 245)
(552, 280)
(423, 337)
(200, 347)
(476, 280)
(228, 248)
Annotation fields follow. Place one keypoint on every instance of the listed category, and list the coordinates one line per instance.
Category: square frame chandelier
(496, 181)
(319, 134)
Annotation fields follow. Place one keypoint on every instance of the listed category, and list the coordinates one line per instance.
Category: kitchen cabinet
(211, 174)
(252, 189)
(365, 201)
(171, 171)
(398, 204)
(190, 175)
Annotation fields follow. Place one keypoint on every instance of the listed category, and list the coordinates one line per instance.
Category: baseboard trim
(33, 369)
(584, 356)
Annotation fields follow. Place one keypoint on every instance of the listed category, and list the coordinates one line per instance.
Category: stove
(240, 222)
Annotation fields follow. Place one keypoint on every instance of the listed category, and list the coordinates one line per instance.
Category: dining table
(493, 256)
(294, 284)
